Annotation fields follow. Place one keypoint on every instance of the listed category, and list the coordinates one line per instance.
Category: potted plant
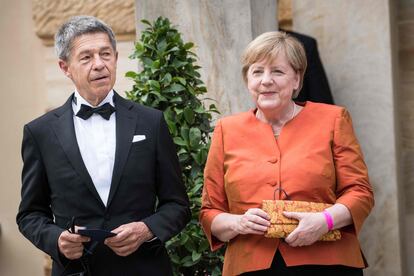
(170, 81)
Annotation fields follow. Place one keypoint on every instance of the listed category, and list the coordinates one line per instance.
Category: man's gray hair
(75, 27)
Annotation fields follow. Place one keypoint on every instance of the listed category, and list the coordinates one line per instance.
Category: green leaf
(176, 100)
(155, 64)
(139, 47)
(182, 81)
(195, 136)
(184, 238)
(175, 87)
(166, 79)
(188, 45)
(175, 259)
(146, 22)
(187, 261)
(173, 49)
(200, 109)
(189, 115)
(162, 45)
(131, 74)
(195, 256)
(147, 61)
(154, 84)
(185, 133)
(179, 141)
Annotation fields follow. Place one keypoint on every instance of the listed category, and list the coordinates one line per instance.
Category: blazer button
(107, 217)
(273, 160)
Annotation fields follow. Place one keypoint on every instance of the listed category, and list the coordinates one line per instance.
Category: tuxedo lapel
(126, 121)
(65, 132)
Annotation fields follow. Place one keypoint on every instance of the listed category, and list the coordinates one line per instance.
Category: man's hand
(129, 238)
(70, 245)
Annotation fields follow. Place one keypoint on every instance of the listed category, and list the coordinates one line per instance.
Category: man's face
(91, 66)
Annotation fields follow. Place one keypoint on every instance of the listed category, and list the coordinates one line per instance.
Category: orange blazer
(316, 158)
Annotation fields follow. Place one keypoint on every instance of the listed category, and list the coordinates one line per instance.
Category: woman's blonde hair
(268, 45)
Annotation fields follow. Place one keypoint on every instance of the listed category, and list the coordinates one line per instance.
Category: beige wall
(30, 83)
(220, 30)
(405, 96)
(357, 49)
(22, 98)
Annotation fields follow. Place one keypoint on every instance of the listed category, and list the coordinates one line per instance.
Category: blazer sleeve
(34, 217)
(353, 187)
(173, 211)
(214, 199)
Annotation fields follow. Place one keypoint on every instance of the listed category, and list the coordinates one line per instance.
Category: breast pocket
(140, 145)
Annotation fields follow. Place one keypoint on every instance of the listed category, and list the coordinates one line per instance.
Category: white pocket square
(138, 138)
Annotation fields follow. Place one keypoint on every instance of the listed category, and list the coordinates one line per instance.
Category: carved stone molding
(48, 15)
(285, 14)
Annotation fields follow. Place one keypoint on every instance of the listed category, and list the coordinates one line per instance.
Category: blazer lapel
(65, 132)
(126, 121)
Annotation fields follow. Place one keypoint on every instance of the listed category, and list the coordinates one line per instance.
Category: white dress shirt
(96, 139)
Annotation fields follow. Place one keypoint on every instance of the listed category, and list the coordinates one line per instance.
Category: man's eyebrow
(87, 51)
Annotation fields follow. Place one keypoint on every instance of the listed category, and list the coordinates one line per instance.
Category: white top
(96, 139)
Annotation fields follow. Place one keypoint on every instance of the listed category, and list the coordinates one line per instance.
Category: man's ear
(64, 66)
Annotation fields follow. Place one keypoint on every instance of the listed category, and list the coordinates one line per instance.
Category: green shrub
(169, 81)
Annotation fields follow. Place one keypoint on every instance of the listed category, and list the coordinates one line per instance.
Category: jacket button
(273, 160)
(107, 217)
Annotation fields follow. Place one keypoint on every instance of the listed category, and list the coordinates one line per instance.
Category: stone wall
(48, 15)
(220, 29)
(22, 99)
(354, 39)
(405, 96)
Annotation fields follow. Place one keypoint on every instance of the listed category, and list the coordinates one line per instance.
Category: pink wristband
(329, 220)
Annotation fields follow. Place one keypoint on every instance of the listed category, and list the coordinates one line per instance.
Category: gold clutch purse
(282, 226)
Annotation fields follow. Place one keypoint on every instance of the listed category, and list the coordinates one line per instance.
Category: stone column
(220, 29)
(405, 97)
(355, 44)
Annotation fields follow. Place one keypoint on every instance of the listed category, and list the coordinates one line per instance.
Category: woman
(308, 150)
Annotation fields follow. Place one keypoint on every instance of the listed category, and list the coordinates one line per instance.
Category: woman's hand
(253, 221)
(311, 227)
(226, 226)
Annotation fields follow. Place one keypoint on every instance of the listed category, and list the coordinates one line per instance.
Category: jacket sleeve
(353, 187)
(214, 199)
(35, 218)
(173, 211)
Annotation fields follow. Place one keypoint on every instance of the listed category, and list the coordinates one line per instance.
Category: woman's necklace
(276, 133)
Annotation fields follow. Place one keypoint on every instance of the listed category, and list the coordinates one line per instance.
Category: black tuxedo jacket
(146, 186)
(315, 83)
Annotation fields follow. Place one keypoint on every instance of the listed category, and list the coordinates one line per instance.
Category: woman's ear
(297, 81)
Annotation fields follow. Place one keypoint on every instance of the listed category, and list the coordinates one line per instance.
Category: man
(100, 162)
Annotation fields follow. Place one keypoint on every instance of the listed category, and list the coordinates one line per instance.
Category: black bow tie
(86, 111)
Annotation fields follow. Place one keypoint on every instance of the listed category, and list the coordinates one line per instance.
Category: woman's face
(271, 83)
